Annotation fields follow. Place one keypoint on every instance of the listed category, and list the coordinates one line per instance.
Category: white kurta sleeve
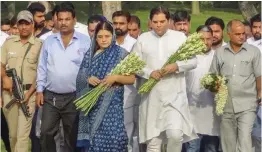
(137, 48)
(186, 65)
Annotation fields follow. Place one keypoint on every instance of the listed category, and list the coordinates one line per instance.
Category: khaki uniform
(12, 54)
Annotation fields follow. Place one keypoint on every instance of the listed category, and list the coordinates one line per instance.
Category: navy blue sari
(102, 130)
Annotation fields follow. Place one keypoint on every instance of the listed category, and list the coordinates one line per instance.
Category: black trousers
(34, 139)
(5, 132)
(57, 107)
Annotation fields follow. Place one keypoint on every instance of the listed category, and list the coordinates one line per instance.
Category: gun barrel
(25, 110)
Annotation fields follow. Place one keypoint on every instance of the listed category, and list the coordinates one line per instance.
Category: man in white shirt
(164, 113)
(82, 28)
(181, 20)
(201, 101)
(217, 25)
(123, 39)
(255, 23)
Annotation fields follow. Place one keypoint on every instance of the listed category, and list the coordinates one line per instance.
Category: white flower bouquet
(217, 84)
(131, 64)
(194, 45)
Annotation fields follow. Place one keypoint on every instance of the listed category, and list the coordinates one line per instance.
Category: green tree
(195, 7)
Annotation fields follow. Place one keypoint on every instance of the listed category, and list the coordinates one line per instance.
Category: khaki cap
(25, 15)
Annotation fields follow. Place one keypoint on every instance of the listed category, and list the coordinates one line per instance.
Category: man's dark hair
(5, 21)
(204, 28)
(181, 15)
(48, 16)
(68, 4)
(215, 20)
(36, 7)
(135, 19)
(256, 18)
(158, 10)
(246, 23)
(13, 20)
(55, 10)
(66, 7)
(95, 19)
(122, 13)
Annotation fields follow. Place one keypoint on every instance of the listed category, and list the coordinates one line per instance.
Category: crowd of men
(201, 130)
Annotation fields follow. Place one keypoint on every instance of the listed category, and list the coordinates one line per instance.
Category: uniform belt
(26, 86)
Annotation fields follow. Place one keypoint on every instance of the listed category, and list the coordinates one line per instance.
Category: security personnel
(20, 52)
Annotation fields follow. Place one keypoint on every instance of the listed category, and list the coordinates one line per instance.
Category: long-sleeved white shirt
(201, 101)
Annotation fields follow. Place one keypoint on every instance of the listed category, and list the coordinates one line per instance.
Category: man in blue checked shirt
(59, 62)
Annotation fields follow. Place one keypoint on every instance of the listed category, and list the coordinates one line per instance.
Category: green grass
(2, 146)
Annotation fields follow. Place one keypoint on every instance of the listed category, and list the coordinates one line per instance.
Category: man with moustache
(240, 63)
(38, 11)
(181, 21)
(120, 22)
(217, 25)
(20, 52)
(255, 22)
(56, 85)
(55, 28)
(123, 39)
(59, 138)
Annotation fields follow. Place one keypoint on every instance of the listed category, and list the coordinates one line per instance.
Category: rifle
(18, 92)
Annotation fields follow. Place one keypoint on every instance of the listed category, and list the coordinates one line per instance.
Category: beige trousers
(19, 127)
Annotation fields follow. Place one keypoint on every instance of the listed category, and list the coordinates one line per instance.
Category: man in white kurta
(123, 39)
(201, 101)
(130, 94)
(163, 112)
(255, 22)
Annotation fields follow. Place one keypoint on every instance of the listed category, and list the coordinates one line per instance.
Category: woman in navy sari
(103, 130)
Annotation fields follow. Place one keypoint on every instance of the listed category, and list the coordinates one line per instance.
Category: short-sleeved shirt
(241, 69)
(12, 54)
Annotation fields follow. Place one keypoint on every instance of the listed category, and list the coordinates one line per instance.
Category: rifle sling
(22, 67)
